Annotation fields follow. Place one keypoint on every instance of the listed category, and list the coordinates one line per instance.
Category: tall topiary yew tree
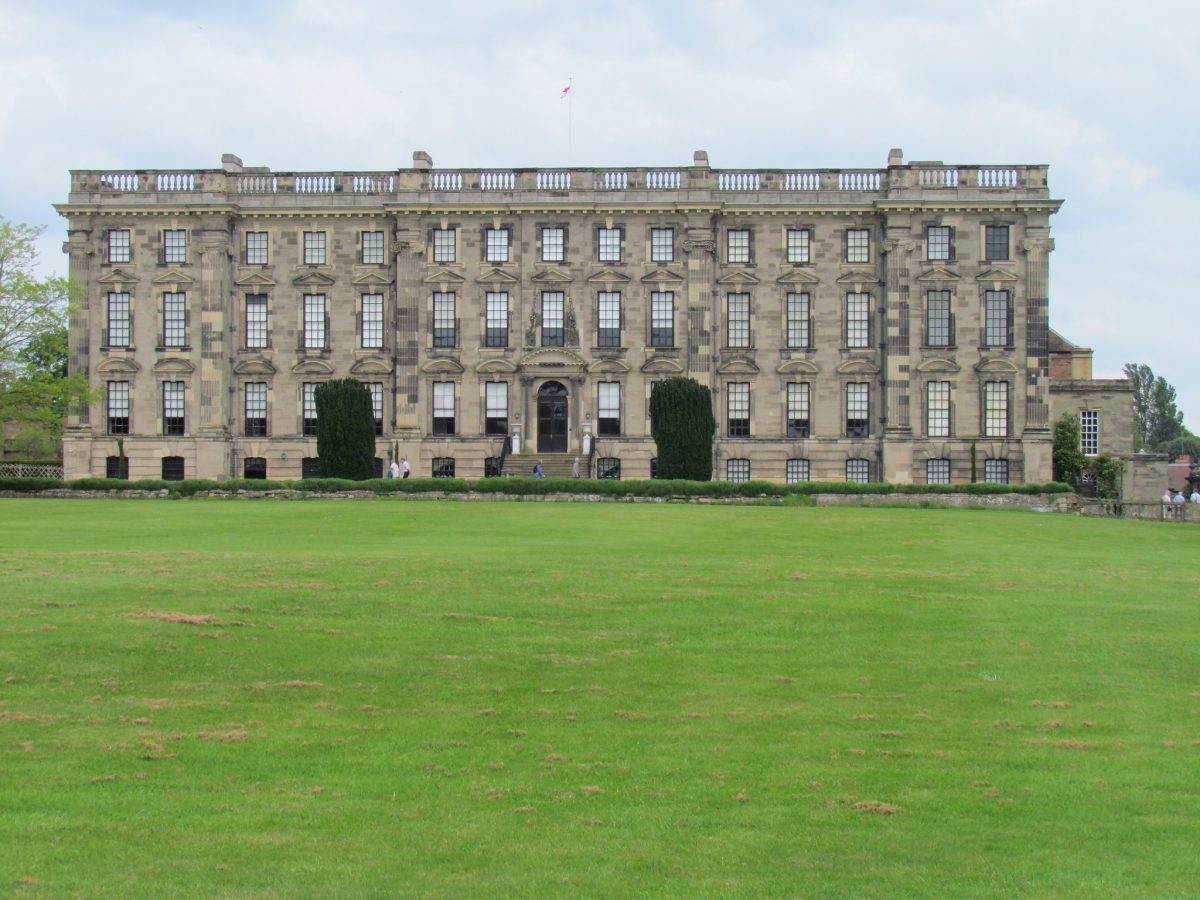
(681, 420)
(345, 429)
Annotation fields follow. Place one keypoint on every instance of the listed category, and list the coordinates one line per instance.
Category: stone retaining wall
(1031, 502)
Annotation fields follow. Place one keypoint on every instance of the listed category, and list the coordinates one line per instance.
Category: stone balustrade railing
(866, 184)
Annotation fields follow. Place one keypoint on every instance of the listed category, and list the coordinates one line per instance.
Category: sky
(1106, 93)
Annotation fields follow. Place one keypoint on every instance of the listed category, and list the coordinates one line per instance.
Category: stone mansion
(854, 325)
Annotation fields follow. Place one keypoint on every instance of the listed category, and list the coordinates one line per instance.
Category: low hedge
(523, 486)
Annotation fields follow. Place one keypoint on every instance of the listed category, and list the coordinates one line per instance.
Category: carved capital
(1033, 245)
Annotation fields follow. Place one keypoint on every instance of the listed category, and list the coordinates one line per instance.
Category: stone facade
(887, 324)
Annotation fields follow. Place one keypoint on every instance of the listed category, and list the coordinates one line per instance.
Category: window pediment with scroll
(801, 277)
(442, 365)
(257, 366)
(798, 366)
(608, 276)
(118, 277)
(495, 276)
(661, 276)
(118, 365)
(174, 365)
(313, 280)
(737, 279)
(858, 367)
(863, 277)
(662, 365)
(372, 365)
(370, 278)
(995, 365)
(939, 365)
(174, 277)
(443, 276)
(738, 365)
(996, 275)
(313, 367)
(938, 275)
(255, 279)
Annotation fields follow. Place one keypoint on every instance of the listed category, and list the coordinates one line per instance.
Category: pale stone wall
(895, 206)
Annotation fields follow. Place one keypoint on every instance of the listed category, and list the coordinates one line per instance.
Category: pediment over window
(610, 366)
(798, 276)
(661, 276)
(859, 276)
(495, 276)
(608, 276)
(738, 365)
(496, 367)
(371, 278)
(994, 274)
(937, 274)
(173, 276)
(551, 276)
(372, 365)
(254, 279)
(858, 367)
(118, 276)
(442, 365)
(996, 365)
(553, 358)
(313, 279)
(312, 367)
(257, 366)
(175, 365)
(737, 278)
(443, 276)
(798, 367)
(118, 365)
(939, 364)
(662, 365)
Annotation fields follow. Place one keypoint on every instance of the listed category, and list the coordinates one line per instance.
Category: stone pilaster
(212, 245)
(408, 259)
(1037, 246)
(897, 356)
(77, 431)
(700, 249)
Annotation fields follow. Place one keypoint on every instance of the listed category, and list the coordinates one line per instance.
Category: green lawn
(391, 697)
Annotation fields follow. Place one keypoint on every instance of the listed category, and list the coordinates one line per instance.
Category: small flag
(565, 91)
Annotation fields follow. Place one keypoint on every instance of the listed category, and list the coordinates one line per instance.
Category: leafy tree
(1068, 461)
(35, 389)
(1186, 444)
(1107, 471)
(682, 423)
(345, 429)
(1156, 417)
(28, 306)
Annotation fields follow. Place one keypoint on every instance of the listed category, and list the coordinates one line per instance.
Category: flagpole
(570, 100)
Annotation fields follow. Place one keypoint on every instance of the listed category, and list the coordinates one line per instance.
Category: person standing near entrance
(575, 468)
(537, 470)
(394, 470)
(404, 467)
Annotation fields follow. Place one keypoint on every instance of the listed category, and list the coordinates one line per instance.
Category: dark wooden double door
(552, 418)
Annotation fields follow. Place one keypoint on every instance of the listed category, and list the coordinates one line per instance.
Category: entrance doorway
(552, 418)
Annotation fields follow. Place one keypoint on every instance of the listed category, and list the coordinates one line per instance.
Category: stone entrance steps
(554, 465)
